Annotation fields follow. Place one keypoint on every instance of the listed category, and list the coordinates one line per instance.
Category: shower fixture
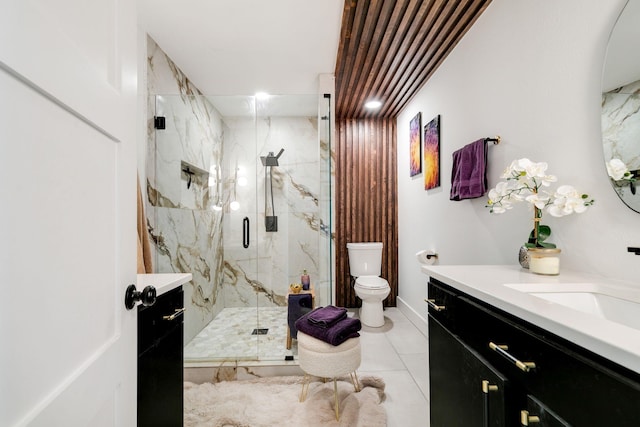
(271, 160)
(270, 221)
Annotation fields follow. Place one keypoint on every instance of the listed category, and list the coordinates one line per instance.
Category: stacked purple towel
(329, 325)
(325, 317)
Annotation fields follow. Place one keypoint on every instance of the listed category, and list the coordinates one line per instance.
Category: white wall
(530, 71)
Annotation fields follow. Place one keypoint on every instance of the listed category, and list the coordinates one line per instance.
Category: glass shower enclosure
(239, 190)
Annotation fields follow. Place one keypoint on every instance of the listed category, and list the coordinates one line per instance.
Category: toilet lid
(372, 282)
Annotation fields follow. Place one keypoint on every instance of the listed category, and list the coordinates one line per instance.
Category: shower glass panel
(199, 207)
(240, 197)
(325, 287)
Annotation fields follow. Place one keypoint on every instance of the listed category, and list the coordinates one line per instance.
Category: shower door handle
(245, 232)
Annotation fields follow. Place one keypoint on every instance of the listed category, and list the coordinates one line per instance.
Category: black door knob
(147, 296)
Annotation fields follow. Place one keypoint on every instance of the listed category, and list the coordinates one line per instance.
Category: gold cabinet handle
(177, 313)
(502, 350)
(432, 304)
(486, 387)
(526, 419)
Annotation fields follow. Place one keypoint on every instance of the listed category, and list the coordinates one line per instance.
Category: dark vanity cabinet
(465, 390)
(160, 361)
(489, 368)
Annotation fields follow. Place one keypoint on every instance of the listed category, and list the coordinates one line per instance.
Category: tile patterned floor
(397, 352)
(229, 336)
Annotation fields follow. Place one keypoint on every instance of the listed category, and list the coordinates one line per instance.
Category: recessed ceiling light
(373, 105)
(261, 96)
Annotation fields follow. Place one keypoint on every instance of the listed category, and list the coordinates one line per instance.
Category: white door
(67, 212)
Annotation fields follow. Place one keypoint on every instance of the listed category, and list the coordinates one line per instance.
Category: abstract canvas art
(415, 145)
(431, 156)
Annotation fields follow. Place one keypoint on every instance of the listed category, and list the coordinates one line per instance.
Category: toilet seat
(371, 282)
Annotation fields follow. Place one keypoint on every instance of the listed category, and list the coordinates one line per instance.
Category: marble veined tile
(620, 121)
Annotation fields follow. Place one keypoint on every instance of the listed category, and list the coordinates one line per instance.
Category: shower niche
(244, 221)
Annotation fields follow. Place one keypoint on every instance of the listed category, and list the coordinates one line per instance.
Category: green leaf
(544, 231)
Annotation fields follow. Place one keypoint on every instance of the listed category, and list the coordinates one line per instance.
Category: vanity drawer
(160, 319)
(581, 385)
(441, 302)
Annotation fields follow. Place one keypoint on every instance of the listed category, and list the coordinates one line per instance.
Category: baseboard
(414, 317)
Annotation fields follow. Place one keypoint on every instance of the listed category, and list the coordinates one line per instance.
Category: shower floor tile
(229, 336)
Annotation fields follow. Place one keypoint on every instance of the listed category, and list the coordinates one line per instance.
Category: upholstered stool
(324, 360)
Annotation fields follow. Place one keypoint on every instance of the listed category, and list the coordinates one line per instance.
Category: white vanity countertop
(162, 282)
(614, 341)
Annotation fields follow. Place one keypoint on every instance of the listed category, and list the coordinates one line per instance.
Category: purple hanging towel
(469, 171)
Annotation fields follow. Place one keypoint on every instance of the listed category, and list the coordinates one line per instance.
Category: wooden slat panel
(355, 13)
(389, 48)
(367, 47)
(366, 199)
(408, 46)
(461, 20)
(438, 18)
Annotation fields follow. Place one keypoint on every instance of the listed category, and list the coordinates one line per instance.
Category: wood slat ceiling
(389, 49)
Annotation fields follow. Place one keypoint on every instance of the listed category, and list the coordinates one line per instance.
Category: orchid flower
(524, 181)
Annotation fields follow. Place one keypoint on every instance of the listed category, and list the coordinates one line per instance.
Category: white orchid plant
(621, 175)
(528, 181)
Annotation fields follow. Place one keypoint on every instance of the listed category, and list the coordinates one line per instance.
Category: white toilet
(365, 264)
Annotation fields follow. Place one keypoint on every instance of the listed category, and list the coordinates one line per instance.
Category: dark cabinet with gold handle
(538, 414)
(542, 379)
(465, 389)
(160, 361)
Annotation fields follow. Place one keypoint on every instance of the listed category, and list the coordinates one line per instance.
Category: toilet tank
(365, 259)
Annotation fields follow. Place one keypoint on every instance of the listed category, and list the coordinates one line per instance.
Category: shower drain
(260, 331)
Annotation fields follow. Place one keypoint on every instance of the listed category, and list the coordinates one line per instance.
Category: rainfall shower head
(271, 159)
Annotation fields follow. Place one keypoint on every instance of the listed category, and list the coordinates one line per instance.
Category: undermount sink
(610, 303)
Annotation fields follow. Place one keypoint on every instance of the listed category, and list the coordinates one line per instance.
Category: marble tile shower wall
(186, 233)
(189, 236)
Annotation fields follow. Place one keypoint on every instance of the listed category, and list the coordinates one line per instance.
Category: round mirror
(621, 106)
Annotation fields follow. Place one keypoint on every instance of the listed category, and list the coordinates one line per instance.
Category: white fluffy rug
(274, 401)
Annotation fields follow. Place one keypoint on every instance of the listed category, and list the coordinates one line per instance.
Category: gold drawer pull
(525, 418)
(178, 312)
(432, 304)
(486, 387)
(502, 350)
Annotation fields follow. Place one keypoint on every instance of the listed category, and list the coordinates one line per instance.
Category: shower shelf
(191, 173)
(194, 169)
